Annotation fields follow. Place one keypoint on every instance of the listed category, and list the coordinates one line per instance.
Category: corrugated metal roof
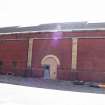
(66, 26)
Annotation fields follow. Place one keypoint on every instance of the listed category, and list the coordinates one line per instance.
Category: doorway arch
(53, 63)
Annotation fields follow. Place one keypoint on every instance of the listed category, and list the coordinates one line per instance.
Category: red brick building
(68, 51)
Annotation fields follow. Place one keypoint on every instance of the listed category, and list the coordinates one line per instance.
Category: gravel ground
(50, 84)
(31, 91)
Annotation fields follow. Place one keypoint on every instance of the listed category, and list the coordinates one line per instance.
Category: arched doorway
(50, 63)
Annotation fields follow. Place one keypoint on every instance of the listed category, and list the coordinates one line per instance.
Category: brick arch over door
(53, 62)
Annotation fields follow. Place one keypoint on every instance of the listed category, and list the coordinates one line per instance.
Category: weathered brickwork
(90, 65)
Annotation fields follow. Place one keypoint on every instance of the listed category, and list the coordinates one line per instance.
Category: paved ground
(29, 91)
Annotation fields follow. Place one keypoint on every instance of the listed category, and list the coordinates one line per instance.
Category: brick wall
(60, 48)
(91, 59)
(13, 55)
(90, 56)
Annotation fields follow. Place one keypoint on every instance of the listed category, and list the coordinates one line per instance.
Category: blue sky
(34, 12)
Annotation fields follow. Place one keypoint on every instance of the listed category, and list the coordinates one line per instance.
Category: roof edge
(73, 30)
